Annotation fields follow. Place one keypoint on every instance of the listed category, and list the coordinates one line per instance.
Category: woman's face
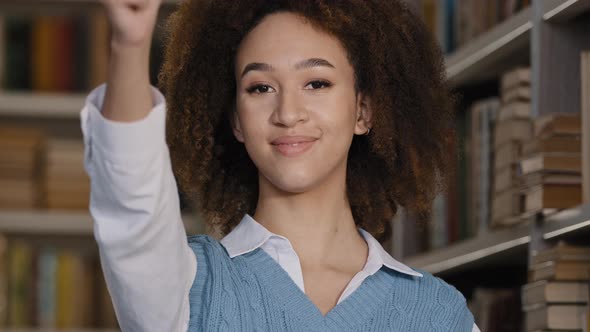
(296, 106)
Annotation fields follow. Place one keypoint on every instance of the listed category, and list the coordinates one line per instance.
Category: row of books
(50, 286)
(60, 52)
(54, 52)
(41, 172)
(556, 296)
(455, 22)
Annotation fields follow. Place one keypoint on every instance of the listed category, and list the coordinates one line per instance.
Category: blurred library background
(512, 233)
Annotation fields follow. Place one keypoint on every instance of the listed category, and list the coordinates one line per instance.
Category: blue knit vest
(252, 292)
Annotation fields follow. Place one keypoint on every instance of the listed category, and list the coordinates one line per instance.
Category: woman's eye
(259, 88)
(319, 84)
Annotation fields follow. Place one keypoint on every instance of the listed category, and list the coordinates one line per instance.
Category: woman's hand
(132, 21)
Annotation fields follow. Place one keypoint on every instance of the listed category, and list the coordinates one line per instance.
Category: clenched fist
(132, 20)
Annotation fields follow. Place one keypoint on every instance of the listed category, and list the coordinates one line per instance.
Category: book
(540, 178)
(75, 294)
(551, 161)
(43, 56)
(512, 130)
(65, 58)
(551, 124)
(559, 316)
(505, 204)
(552, 196)
(563, 143)
(560, 271)
(483, 117)
(585, 117)
(507, 154)
(516, 77)
(562, 251)
(516, 94)
(18, 53)
(515, 110)
(506, 178)
(46, 287)
(21, 297)
(544, 291)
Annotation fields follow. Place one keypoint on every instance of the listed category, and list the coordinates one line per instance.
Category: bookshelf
(548, 37)
(521, 39)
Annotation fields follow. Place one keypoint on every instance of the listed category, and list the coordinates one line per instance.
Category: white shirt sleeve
(475, 328)
(148, 265)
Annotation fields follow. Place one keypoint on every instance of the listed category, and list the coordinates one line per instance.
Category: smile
(293, 149)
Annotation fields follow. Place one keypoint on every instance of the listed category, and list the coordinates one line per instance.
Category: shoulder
(442, 291)
(448, 303)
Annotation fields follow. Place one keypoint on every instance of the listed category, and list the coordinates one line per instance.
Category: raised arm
(147, 263)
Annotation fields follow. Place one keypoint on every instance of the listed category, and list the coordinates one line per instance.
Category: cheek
(254, 119)
(336, 116)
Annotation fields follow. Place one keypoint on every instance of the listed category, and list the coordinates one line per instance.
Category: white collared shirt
(148, 265)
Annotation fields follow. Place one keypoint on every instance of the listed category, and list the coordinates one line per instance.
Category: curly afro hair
(403, 162)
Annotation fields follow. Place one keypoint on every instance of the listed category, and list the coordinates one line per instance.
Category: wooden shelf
(473, 251)
(559, 11)
(492, 52)
(506, 245)
(567, 223)
(41, 105)
(505, 45)
(61, 222)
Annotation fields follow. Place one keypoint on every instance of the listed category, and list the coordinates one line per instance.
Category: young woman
(296, 127)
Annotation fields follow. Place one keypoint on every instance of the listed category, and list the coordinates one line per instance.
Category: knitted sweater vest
(252, 292)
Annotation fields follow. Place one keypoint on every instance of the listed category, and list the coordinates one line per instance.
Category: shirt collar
(249, 235)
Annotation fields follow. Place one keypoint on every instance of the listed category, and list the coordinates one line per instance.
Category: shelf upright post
(537, 243)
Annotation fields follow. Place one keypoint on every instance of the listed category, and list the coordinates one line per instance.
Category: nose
(289, 110)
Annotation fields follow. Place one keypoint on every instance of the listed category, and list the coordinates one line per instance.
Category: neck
(318, 223)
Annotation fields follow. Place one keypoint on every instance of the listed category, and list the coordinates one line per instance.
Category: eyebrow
(304, 64)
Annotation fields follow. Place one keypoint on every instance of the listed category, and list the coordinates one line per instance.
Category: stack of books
(551, 167)
(68, 185)
(556, 296)
(513, 128)
(21, 168)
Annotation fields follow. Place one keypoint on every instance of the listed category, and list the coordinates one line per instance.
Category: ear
(235, 125)
(364, 114)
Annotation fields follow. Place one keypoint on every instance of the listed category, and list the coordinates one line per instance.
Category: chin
(294, 184)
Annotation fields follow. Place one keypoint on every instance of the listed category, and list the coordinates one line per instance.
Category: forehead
(282, 39)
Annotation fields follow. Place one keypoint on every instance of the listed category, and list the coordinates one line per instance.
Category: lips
(291, 146)
(292, 139)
